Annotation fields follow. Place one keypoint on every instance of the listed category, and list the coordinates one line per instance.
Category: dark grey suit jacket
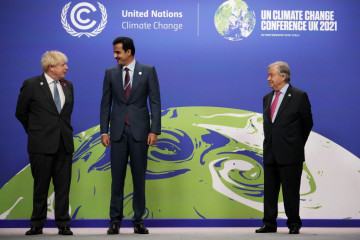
(114, 105)
(285, 138)
(40, 118)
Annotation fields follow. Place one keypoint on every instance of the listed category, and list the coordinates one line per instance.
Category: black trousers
(289, 177)
(45, 167)
(120, 153)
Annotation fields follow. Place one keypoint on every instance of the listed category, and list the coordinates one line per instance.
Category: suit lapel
(46, 90)
(119, 82)
(284, 102)
(138, 71)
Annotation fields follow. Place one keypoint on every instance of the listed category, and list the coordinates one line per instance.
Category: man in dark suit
(44, 109)
(287, 125)
(126, 89)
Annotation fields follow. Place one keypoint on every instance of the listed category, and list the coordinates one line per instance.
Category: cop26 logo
(77, 15)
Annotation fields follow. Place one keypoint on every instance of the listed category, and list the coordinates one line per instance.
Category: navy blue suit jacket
(115, 106)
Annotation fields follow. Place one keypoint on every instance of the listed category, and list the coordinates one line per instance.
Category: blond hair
(52, 58)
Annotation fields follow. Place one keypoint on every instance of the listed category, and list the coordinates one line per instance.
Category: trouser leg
(291, 180)
(41, 165)
(138, 163)
(119, 161)
(271, 194)
(61, 172)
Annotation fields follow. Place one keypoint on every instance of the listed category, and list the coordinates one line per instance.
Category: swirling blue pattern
(181, 150)
(253, 190)
(83, 152)
(216, 140)
(150, 175)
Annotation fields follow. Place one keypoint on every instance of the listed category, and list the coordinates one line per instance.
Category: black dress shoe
(34, 231)
(113, 229)
(140, 229)
(65, 231)
(294, 230)
(266, 229)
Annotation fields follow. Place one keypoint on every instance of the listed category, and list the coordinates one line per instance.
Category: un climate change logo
(80, 23)
(234, 21)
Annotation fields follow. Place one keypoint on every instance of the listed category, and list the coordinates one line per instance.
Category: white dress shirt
(281, 97)
(50, 81)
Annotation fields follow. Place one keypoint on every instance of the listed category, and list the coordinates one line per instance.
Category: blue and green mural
(207, 164)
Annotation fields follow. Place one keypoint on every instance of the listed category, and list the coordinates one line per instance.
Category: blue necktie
(57, 98)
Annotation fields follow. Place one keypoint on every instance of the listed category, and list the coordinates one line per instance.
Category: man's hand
(152, 138)
(105, 140)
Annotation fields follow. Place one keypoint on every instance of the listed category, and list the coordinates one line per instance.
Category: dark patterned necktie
(127, 92)
(127, 84)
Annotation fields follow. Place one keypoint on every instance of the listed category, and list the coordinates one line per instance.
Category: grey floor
(190, 234)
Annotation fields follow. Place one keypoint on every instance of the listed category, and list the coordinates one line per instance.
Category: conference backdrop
(211, 58)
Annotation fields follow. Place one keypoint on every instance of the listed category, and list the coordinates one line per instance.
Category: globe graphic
(207, 163)
(234, 21)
